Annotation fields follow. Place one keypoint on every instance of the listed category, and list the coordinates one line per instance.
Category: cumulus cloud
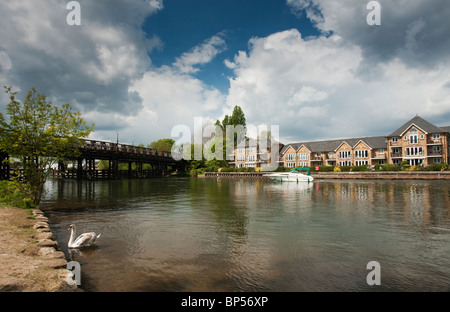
(200, 54)
(103, 68)
(89, 66)
(415, 31)
(312, 88)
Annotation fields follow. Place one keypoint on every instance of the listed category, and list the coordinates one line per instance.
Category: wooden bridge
(143, 162)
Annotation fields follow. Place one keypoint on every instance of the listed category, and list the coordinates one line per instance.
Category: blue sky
(182, 25)
(315, 68)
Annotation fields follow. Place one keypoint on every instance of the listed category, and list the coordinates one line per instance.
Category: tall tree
(39, 134)
(162, 145)
(238, 117)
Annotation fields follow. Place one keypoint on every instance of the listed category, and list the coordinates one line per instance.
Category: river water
(189, 234)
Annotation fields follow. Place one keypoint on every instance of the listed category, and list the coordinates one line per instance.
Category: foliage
(11, 193)
(39, 135)
(162, 145)
(236, 118)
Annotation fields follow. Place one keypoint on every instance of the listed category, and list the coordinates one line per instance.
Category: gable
(343, 147)
(362, 145)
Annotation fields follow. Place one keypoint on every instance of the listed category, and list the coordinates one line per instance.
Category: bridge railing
(95, 145)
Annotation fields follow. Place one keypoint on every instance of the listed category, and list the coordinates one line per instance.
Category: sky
(314, 68)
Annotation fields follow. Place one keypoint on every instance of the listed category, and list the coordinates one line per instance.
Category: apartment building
(418, 142)
(346, 152)
(253, 154)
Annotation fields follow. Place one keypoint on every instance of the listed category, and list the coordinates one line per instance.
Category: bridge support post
(79, 168)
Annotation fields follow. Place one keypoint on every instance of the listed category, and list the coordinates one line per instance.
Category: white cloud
(200, 55)
(98, 59)
(313, 88)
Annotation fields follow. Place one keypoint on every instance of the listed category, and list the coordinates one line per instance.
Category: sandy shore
(30, 260)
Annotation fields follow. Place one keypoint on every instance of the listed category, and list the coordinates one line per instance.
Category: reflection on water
(233, 235)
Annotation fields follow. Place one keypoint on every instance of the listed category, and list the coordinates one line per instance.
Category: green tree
(39, 134)
(162, 145)
(237, 118)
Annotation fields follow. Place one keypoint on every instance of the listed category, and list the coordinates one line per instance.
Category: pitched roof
(375, 142)
(332, 145)
(419, 122)
(446, 128)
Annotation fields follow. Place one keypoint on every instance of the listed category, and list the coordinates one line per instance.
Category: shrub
(390, 167)
(228, 169)
(360, 168)
(14, 193)
(436, 167)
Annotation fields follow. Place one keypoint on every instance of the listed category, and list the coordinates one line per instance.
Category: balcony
(396, 155)
(435, 154)
(434, 142)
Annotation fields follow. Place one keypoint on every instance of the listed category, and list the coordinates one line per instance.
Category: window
(290, 165)
(345, 154)
(290, 157)
(414, 151)
(381, 151)
(437, 160)
(413, 139)
(303, 156)
(303, 164)
(395, 139)
(436, 149)
(361, 162)
(362, 154)
(436, 136)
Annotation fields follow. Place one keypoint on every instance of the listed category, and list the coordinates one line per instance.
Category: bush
(13, 193)
(389, 167)
(346, 168)
(228, 169)
(196, 172)
(360, 168)
(326, 168)
(438, 167)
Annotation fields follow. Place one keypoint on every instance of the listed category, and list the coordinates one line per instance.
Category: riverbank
(30, 259)
(370, 175)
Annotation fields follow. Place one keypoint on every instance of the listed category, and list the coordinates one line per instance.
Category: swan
(84, 240)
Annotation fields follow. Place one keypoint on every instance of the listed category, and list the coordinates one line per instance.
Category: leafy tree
(39, 134)
(237, 118)
(162, 145)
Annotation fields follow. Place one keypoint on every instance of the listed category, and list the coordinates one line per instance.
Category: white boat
(291, 176)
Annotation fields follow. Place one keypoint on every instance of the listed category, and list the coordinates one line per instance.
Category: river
(191, 234)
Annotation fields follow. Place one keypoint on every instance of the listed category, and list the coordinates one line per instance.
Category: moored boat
(292, 176)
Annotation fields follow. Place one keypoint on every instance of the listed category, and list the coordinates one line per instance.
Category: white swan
(84, 240)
